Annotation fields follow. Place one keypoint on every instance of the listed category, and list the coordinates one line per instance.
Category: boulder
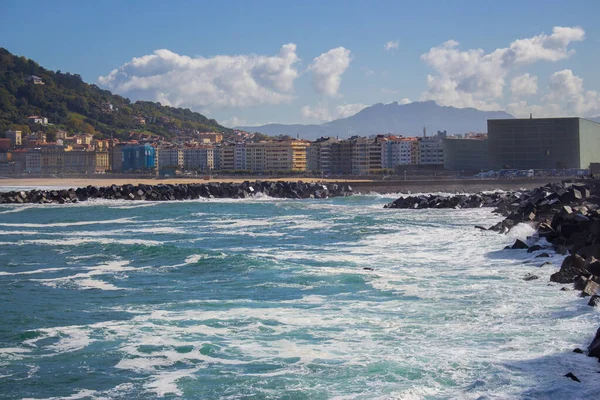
(530, 277)
(542, 255)
(572, 267)
(594, 300)
(533, 248)
(591, 288)
(519, 244)
(570, 375)
(594, 347)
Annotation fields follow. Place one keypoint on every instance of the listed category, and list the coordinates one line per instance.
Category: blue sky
(244, 62)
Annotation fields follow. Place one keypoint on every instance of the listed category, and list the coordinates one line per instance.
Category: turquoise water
(270, 299)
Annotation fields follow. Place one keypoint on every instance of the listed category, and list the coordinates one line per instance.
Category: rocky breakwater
(566, 215)
(162, 192)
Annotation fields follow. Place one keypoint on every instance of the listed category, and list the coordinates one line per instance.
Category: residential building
(36, 80)
(398, 151)
(318, 155)
(255, 157)
(138, 157)
(239, 156)
(227, 157)
(79, 162)
(15, 137)
(52, 159)
(5, 143)
(285, 155)
(341, 157)
(466, 154)
(34, 119)
(116, 158)
(431, 150)
(33, 162)
(170, 157)
(101, 163)
(198, 158)
(211, 137)
(543, 143)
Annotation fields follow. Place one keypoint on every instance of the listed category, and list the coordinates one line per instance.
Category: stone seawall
(450, 185)
(289, 190)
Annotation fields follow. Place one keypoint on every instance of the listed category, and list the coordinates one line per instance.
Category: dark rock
(591, 288)
(594, 300)
(368, 269)
(542, 255)
(530, 277)
(533, 248)
(570, 375)
(577, 350)
(594, 347)
(519, 244)
(572, 267)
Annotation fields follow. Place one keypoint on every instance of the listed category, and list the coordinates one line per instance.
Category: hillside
(72, 104)
(403, 119)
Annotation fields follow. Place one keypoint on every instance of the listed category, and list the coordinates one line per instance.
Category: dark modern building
(466, 154)
(543, 143)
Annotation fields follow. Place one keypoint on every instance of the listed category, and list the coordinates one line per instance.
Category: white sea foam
(65, 224)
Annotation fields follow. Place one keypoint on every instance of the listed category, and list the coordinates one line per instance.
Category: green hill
(71, 104)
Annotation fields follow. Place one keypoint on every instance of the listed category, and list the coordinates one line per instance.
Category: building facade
(466, 154)
(138, 157)
(543, 143)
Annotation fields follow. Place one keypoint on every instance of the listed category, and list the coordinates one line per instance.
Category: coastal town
(521, 144)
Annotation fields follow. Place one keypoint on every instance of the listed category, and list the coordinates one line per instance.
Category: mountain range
(402, 119)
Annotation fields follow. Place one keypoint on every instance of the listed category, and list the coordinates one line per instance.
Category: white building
(399, 151)
(431, 151)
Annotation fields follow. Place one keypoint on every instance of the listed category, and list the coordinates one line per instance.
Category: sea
(281, 299)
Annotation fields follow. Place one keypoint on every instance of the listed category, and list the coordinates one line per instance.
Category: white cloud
(524, 85)
(322, 113)
(566, 96)
(319, 113)
(327, 70)
(234, 121)
(347, 110)
(567, 89)
(391, 45)
(474, 78)
(404, 101)
(198, 82)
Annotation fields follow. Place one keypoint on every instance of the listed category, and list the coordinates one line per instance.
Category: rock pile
(289, 190)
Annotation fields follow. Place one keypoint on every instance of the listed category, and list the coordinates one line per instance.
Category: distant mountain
(403, 119)
(27, 89)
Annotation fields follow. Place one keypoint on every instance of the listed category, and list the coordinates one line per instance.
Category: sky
(252, 63)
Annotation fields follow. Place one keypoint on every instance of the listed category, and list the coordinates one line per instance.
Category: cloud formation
(565, 96)
(391, 45)
(524, 85)
(327, 70)
(321, 113)
(198, 82)
(474, 78)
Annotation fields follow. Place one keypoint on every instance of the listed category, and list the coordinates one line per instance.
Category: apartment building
(431, 151)
(198, 158)
(170, 157)
(16, 137)
(318, 155)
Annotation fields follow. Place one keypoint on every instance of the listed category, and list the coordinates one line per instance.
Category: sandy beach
(81, 182)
